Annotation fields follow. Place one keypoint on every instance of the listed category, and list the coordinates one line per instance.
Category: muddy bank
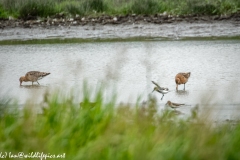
(107, 27)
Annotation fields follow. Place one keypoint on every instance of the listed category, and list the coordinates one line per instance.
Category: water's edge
(122, 32)
(132, 39)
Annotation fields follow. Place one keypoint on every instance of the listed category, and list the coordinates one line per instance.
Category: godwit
(173, 105)
(182, 78)
(33, 76)
(159, 89)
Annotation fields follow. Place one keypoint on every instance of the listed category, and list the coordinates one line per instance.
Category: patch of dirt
(154, 26)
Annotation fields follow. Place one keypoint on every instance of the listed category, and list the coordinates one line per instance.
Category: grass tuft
(94, 5)
(207, 9)
(36, 9)
(74, 8)
(3, 13)
(145, 7)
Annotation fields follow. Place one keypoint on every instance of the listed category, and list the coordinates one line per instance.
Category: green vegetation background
(105, 131)
(44, 8)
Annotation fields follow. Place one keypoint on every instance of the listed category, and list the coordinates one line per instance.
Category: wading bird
(159, 89)
(173, 105)
(33, 76)
(182, 78)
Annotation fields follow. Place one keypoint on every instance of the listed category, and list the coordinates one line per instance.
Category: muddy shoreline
(121, 27)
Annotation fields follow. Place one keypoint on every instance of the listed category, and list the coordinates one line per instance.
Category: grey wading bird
(173, 105)
(182, 78)
(159, 89)
(33, 76)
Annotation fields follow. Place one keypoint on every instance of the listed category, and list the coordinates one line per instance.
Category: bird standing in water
(159, 89)
(182, 78)
(33, 76)
(173, 105)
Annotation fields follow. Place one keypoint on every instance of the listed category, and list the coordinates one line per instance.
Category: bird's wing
(177, 104)
(185, 75)
(42, 75)
(32, 73)
(36, 74)
(160, 88)
(156, 84)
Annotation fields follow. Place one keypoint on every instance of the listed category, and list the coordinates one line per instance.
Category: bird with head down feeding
(182, 78)
(33, 76)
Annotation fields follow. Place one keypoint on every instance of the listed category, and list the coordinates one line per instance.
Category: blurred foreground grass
(102, 130)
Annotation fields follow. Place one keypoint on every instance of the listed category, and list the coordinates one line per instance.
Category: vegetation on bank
(43, 8)
(106, 131)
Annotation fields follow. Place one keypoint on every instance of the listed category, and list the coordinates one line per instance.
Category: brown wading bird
(33, 76)
(173, 105)
(159, 89)
(182, 78)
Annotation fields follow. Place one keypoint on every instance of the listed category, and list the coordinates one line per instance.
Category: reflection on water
(182, 93)
(33, 86)
(128, 67)
(177, 112)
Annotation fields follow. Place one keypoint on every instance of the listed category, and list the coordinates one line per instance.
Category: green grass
(107, 131)
(44, 8)
(34, 8)
(3, 13)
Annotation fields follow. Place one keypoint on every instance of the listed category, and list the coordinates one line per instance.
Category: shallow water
(129, 67)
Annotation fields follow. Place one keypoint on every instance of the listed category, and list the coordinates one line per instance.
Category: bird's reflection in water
(171, 111)
(176, 112)
(33, 86)
(182, 93)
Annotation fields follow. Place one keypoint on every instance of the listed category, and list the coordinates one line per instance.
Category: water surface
(128, 67)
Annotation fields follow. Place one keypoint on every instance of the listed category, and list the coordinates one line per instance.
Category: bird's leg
(162, 96)
(32, 83)
(184, 87)
(38, 83)
(177, 87)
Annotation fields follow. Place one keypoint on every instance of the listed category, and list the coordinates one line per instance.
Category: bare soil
(129, 26)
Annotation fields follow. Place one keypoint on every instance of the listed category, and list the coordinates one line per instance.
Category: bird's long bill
(153, 89)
